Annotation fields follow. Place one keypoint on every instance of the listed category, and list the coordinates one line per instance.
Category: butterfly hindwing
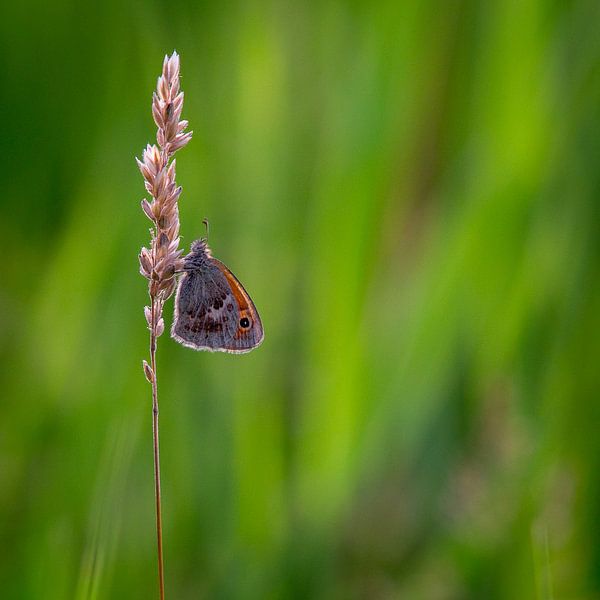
(214, 312)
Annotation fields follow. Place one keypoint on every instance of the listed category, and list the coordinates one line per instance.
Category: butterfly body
(212, 309)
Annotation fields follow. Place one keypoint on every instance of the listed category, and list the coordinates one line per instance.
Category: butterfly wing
(249, 331)
(214, 312)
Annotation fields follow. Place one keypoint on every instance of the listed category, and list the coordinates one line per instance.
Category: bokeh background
(409, 191)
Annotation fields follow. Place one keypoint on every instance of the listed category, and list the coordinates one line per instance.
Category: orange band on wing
(239, 293)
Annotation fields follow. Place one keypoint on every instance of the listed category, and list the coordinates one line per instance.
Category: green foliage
(409, 190)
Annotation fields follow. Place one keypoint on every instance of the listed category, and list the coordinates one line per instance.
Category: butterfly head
(198, 256)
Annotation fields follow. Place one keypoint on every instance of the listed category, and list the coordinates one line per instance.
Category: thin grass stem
(162, 260)
(156, 447)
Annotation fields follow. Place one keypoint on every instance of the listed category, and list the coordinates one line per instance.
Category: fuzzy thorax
(198, 256)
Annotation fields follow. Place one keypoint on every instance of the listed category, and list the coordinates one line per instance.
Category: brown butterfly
(212, 309)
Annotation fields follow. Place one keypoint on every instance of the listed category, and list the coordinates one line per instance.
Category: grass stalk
(160, 262)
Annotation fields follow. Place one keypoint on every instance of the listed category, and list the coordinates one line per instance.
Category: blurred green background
(410, 192)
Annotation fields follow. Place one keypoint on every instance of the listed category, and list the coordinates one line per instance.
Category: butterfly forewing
(249, 332)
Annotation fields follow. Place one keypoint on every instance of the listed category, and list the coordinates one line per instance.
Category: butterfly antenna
(207, 225)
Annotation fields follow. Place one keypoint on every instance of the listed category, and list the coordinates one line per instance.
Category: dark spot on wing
(206, 325)
(196, 313)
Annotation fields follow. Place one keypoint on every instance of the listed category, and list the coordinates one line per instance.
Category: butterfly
(212, 309)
